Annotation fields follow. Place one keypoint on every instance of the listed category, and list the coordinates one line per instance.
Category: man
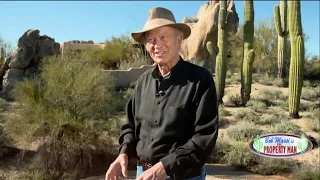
(172, 115)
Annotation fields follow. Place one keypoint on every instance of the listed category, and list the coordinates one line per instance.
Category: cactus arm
(277, 20)
(297, 58)
(280, 23)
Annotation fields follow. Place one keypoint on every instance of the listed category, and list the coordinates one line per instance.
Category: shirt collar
(173, 71)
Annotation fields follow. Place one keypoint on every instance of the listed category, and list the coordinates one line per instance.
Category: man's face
(163, 44)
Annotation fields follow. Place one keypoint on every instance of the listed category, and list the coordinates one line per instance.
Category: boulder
(204, 28)
(23, 63)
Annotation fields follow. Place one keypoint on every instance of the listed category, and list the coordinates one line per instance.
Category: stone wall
(124, 78)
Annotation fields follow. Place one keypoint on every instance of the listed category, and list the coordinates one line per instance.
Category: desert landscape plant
(248, 52)
(297, 58)
(69, 111)
(280, 21)
(224, 20)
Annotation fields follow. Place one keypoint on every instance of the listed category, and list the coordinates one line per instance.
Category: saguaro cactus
(221, 60)
(248, 52)
(280, 23)
(297, 58)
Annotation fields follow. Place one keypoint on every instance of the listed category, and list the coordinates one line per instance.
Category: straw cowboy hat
(159, 17)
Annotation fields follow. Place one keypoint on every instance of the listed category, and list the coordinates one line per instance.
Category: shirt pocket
(177, 120)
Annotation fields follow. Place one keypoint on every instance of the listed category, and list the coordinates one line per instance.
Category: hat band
(156, 23)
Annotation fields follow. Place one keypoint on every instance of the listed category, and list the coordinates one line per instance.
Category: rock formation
(23, 63)
(205, 28)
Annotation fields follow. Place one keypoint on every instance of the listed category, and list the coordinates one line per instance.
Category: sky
(100, 20)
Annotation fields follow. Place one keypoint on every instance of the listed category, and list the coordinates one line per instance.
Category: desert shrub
(239, 155)
(246, 114)
(313, 119)
(3, 143)
(257, 106)
(312, 69)
(285, 126)
(306, 105)
(269, 96)
(117, 51)
(69, 110)
(311, 93)
(267, 118)
(233, 78)
(3, 105)
(307, 172)
(243, 131)
(221, 149)
(223, 112)
(269, 166)
(235, 99)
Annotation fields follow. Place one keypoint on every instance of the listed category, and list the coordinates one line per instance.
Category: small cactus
(297, 58)
(280, 23)
(248, 52)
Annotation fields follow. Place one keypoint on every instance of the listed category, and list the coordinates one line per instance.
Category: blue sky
(99, 20)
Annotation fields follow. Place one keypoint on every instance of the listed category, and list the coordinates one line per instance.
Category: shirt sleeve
(127, 138)
(196, 151)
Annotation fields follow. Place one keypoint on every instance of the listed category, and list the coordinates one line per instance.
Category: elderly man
(172, 116)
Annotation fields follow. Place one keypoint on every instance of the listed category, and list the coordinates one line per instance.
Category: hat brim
(184, 28)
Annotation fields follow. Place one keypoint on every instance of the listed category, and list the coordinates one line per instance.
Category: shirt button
(155, 121)
(151, 139)
(158, 102)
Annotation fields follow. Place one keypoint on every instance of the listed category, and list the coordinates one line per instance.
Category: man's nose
(157, 43)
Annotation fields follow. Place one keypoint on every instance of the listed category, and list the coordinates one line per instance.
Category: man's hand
(156, 172)
(118, 166)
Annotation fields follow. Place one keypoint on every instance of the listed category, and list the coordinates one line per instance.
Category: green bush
(285, 126)
(235, 99)
(246, 114)
(3, 143)
(240, 156)
(269, 166)
(311, 93)
(307, 171)
(243, 131)
(313, 119)
(257, 106)
(221, 149)
(267, 119)
(312, 69)
(70, 109)
(118, 53)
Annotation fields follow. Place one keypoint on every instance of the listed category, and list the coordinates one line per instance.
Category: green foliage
(307, 172)
(270, 166)
(219, 152)
(69, 109)
(243, 131)
(235, 99)
(8, 47)
(240, 156)
(284, 127)
(297, 58)
(248, 52)
(312, 68)
(117, 51)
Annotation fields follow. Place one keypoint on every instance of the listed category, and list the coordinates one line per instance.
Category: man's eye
(151, 40)
(164, 37)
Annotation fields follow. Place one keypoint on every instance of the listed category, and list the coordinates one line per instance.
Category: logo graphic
(280, 145)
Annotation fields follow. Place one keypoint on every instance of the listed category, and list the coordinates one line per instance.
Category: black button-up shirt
(172, 119)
